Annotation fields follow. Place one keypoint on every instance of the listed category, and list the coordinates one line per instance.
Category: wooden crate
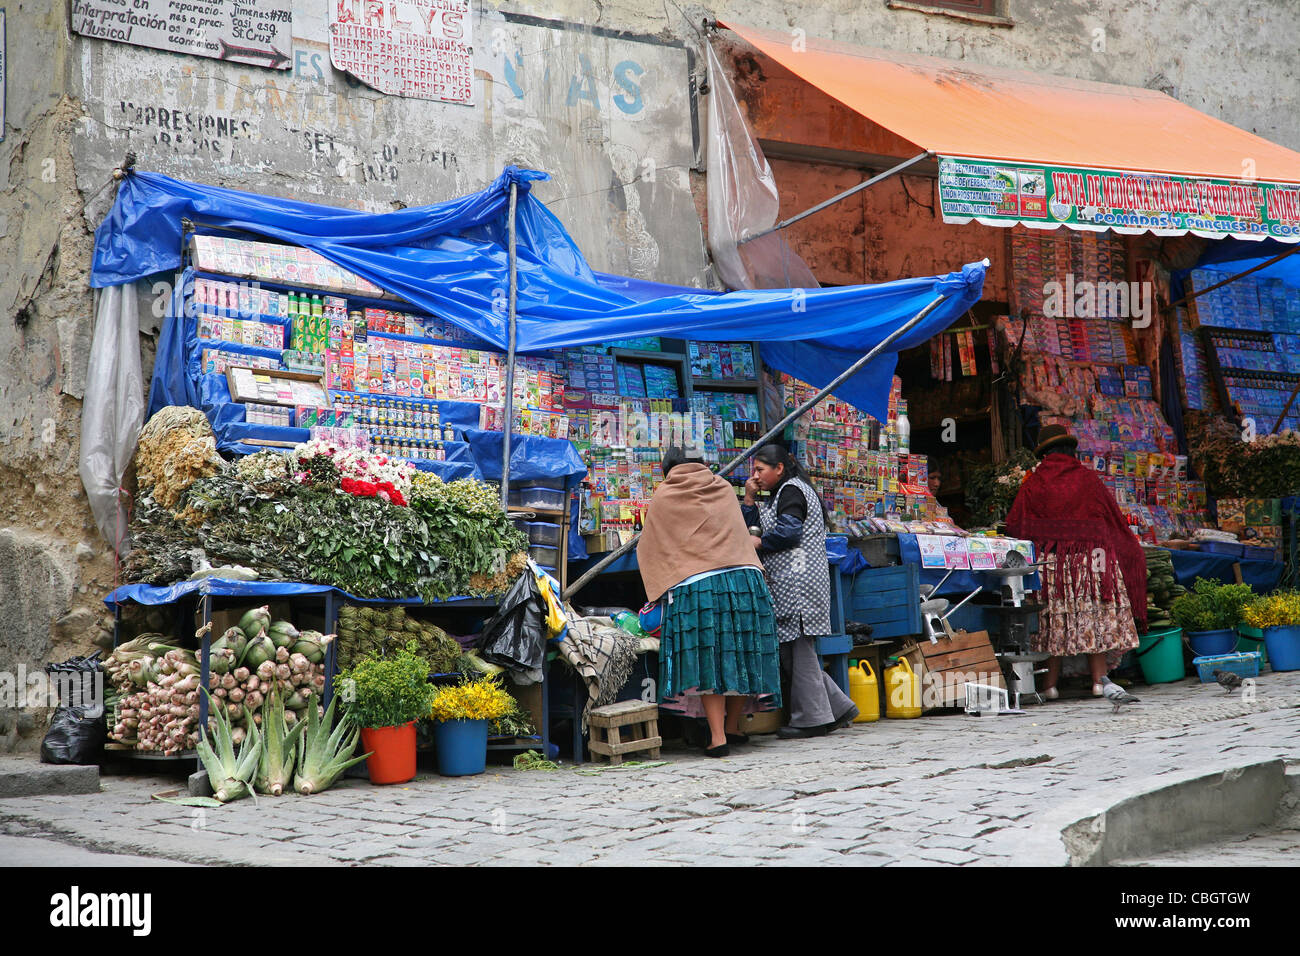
(945, 667)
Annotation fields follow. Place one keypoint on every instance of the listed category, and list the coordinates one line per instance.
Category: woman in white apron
(792, 547)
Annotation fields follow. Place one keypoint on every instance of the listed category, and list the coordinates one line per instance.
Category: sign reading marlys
(1003, 194)
(259, 32)
(419, 48)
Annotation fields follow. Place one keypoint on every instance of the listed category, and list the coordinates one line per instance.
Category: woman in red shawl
(1094, 582)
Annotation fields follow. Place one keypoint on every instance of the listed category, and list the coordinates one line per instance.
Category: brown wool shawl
(693, 525)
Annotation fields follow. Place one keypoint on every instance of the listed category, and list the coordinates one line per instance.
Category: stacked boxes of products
(1253, 324)
(1256, 521)
(859, 468)
(1194, 369)
(272, 262)
(722, 361)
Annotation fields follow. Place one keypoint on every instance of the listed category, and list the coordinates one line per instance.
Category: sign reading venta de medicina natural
(1002, 194)
(259, 32)
(418, 48)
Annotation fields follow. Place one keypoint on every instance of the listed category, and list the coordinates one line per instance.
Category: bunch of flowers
(425, 485)
(481, 699)
(1279, 609)
(384, 490)
(360, 467)
(267, 471)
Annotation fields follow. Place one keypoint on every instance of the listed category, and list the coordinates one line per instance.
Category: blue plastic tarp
(1231, 257)
(450, 260)
(1263, 576)
(154, 595)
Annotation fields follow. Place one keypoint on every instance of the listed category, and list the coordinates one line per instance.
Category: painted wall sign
(259, 32)
(1003, 194)
(417, 48)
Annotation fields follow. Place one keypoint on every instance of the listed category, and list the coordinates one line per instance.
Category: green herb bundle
(388, 691)
(1211, 606)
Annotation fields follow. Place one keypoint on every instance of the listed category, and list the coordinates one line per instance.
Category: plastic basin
(1160, 655)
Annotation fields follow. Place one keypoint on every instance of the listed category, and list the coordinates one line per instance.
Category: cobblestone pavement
(941, 790)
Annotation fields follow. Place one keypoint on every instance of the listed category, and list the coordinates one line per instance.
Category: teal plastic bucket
(1251, 639)
(1283, 647)
(1160, 655)
(462, 747)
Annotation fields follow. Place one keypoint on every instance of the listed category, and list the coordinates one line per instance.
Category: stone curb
(1150, 815)
(28, 777)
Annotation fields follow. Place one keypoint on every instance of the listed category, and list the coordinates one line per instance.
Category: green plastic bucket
(1251, 639)
(1160, 655)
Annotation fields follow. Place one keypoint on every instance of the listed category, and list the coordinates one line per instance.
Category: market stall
(319, 354)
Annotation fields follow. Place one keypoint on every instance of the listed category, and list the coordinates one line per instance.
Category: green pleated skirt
(719, 637)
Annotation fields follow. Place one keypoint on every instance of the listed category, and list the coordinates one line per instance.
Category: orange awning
(1056, 125)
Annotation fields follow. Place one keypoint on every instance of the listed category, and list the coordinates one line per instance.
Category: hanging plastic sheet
(450, 260)
(112, 412)
(531, 457)
(743, 199)
(516, 635)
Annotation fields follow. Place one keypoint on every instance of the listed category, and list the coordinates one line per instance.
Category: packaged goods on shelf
(272, 262)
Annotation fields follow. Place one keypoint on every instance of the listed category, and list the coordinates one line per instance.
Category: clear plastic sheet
(113, 410)
(743, 200)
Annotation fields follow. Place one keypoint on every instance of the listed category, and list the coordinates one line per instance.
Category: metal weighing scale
(1012, 644)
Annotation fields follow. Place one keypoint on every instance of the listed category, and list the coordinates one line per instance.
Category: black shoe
(799, 733)
(722, 751)
(844, 721)
(738, 740)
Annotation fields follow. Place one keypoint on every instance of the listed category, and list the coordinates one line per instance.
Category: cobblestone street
(949, 790)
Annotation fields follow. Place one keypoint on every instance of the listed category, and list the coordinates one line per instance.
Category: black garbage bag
(515, 637)
(79, 726)
(75, 737)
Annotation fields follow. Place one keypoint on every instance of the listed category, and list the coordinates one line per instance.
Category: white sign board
(259, 32)
(416, 48)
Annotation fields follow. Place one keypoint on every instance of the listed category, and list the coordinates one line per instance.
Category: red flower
(369, 489)
(362, 489)
(388, 491)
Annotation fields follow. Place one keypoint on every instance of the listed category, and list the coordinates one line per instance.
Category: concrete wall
(627, 182)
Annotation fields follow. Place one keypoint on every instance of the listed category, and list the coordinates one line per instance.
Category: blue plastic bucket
(462, 747)
(1283, 645)
(1211, 643)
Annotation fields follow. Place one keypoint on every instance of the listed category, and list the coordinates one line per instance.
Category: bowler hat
(1054, 437)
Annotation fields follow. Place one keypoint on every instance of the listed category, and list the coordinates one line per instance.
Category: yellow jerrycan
(902, 690)
(865, 691)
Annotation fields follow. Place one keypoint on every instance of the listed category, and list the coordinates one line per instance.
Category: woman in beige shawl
(719, 628)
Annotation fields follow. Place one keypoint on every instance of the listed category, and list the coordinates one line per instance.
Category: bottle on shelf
(903, 428)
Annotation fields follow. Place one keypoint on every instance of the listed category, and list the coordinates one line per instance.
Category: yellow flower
(481, 699)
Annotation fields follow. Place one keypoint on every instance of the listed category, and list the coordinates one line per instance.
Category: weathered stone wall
(627, 181)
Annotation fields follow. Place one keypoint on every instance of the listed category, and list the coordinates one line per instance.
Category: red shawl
(1063, 508)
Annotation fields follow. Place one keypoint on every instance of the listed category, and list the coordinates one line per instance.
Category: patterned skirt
(719, 637)
(1079, 621)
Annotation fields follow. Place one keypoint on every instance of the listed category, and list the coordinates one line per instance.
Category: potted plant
(386, 694)
(1278, 616)
(461, 713)
(1209, 614)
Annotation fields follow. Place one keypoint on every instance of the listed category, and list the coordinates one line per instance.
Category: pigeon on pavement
(1228, 681)
(1116, 695)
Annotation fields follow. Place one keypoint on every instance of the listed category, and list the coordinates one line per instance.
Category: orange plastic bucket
(392, 753)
